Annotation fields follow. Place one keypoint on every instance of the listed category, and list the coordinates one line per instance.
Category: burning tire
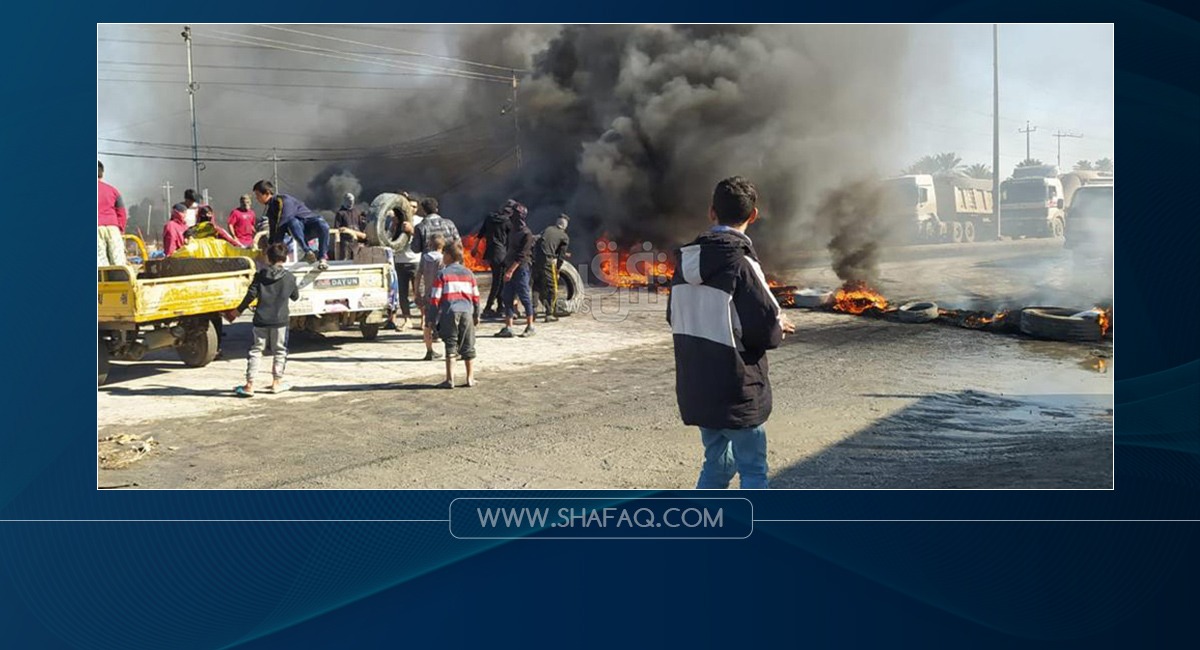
(917, 312)
(1059, 324)
(378, 232)
(813, 298)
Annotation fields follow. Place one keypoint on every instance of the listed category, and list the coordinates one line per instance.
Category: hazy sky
(1059, 77)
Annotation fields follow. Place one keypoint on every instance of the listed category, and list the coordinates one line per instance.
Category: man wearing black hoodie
(723, 319)
(273, 286)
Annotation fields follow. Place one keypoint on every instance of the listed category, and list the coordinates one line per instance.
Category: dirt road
(589, 402)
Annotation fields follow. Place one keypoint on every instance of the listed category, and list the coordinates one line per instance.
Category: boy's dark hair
(455, 251)
(733, 200)
(264, 187)
(429, 205)
(277, 253)
(189, 195)
(437, 242)
(99, 169)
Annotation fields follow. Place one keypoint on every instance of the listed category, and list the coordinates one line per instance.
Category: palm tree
(978, 170)
(1030, 162)
(1104, 165)
(943, 164)
(1083, 166)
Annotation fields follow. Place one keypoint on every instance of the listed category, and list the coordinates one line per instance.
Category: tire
(570, 291)
(1056, 228)
(370, 331)
(969, 232)
(1058, 324)
(199, 345)
(812, 298)
(377, 224)
(956, 232)
(102, 358)
(917, 312)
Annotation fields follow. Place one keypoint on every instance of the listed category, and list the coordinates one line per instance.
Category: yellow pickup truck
(171, 302)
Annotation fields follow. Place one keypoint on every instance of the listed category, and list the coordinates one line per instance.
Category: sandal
(241, 391)
(283, 388)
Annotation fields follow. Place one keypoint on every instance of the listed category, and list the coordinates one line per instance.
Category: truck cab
(912, 202)
(1090, 234)
(1032, 203)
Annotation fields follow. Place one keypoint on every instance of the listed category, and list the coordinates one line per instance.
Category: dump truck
(1033, 202)
(166, 303)
(939, 208)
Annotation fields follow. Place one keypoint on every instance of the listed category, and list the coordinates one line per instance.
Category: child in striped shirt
(455, 297)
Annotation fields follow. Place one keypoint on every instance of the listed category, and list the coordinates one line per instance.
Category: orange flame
(615, 267)
(856, 297)
(1104, 318)
(975, 320)
(470, 259)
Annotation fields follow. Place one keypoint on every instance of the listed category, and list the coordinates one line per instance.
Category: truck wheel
(969, 232)
(102, 357)
(199, 345)
(378, 233)
(369, 331)
(956, 232)
(1056, 228)
(1058, 324)
(570, 291)
(917, 312)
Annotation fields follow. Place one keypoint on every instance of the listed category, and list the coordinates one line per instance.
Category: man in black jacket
(516, 271)
(724, 319)
(493, 234)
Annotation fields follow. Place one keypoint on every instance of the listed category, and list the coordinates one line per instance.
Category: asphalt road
(589, 401)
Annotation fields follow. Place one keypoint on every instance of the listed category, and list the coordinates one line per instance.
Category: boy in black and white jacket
(724, 318)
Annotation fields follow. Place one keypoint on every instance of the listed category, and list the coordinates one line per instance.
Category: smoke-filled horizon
(626, 128)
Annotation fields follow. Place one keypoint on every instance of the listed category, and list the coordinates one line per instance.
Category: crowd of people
(722, 314)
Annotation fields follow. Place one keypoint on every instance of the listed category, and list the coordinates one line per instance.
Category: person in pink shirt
(241, 222)
(110, 224)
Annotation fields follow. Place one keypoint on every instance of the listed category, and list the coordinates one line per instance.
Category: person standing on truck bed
(348, 217)
(548, 255)
(110, 223)
(187, 208)
(493, 234)
(175, 231)
(287, 215)
(241, 222)
(406, 261)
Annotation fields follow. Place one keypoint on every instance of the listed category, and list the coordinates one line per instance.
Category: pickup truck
(165, 303)
(346, 293)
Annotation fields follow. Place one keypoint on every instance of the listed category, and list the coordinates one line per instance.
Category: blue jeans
(302, 230)
(726, 451)
(517, 287)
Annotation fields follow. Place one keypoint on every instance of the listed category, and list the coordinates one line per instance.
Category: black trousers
(404, 276)
(497, 285)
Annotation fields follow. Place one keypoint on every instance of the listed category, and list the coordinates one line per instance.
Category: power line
(256, 68)
(376, 60)
(396, 49)
(270, 84)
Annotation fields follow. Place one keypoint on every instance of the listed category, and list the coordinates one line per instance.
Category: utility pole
(167, 195)
(996, 127)
(1060, 135)
(1027, 131)
(149, 211)
(191, 87)
(516, 121)
(275, 169)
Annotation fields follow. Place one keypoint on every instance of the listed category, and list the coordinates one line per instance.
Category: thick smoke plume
(850, 215)
(630, 127)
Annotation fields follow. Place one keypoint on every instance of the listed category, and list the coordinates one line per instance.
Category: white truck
(940, 208)
(1034, 201)
(348, 293)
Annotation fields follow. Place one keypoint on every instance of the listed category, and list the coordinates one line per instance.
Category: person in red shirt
(174, 232)
(241, 222)
(110, 223)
